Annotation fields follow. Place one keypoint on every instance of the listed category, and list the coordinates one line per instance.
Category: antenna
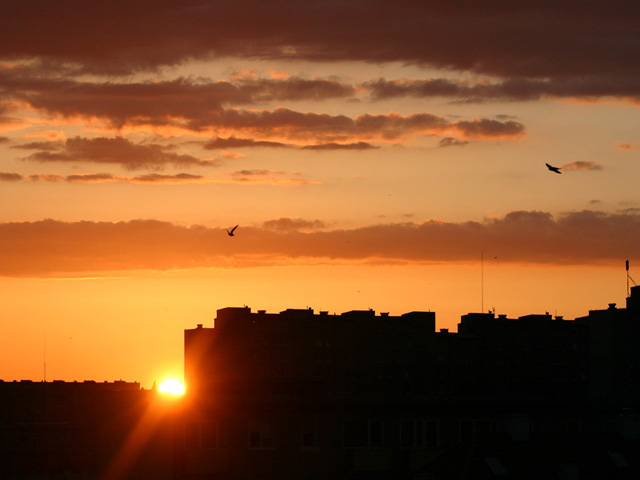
(44, 355)
(482, 281)
(629, 278)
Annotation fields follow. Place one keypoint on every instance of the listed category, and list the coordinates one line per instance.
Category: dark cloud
(4, 140)
(532, 39)
(233, 142)
(117, 150)
(10, 177)
(92, 178)
(568, 41)
(155, 103)
(595, 86)
(197, 106)
(158, 178)
(452, 142)
(341, 146)
(51, 248)
(304, 128)
(200, 105)
(487, 128)
(295, 89)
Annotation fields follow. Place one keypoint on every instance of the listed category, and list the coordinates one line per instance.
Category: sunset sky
(372, 153)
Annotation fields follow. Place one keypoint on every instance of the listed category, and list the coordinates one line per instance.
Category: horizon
(438, 329)
(391, 157)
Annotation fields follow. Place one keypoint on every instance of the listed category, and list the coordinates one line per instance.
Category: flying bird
(552, 168)
(230, 232)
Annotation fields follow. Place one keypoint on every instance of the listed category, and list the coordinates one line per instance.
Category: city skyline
(376, 156)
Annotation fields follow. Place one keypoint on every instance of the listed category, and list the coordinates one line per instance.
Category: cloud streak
(49, 248)
(117, 150)
(582, 165)
(519, 89)
(242, 177)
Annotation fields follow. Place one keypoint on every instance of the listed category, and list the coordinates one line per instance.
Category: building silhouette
(363, 396)
(84, 430)
(359, 395)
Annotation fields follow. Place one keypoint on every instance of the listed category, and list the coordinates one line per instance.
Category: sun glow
(171, 386)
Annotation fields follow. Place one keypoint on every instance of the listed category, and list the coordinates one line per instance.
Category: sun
(171, 386)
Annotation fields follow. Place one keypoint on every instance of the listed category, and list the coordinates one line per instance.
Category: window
(261, 435)
(363, 434)
(419, 434)
(309, 434)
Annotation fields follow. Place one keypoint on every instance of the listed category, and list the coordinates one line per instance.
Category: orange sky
(370, 152)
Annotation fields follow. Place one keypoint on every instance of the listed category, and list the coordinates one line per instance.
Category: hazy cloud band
(50, 247)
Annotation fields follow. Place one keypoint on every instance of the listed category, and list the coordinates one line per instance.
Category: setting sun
(172, 387)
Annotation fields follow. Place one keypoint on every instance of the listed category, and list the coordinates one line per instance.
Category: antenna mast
(481, 281)
(44, 356)
(629, 278)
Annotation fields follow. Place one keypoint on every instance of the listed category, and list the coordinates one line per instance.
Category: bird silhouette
(230, 232)
(553, 169)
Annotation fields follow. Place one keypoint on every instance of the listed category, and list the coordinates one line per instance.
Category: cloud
(49, 177)
(191, 106)
(93, 178)
(452, 142)
(340, 146)
(178, 178)
(51, 247)
(628, 146)
(309, 129)
(518, 89)
(165, 102)
(296, 89)
(153, 178)
(486, 128)
(582, 165)
(10, 177)
(4, 140)
(233, 142)
(273, 177)
(560, 41)
(242, 177)
(285, 224)
(117, 150)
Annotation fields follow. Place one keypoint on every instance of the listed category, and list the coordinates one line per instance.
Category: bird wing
(233, 229)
